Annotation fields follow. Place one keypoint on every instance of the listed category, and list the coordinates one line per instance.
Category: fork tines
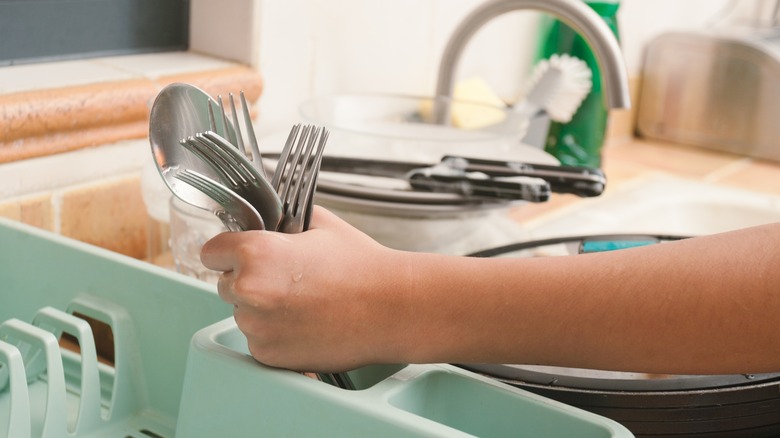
(295, 179)
(219, 123)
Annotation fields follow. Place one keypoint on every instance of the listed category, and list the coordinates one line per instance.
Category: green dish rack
(176, 365)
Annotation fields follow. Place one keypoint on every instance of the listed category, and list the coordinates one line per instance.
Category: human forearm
(332, 299)
(704, 305)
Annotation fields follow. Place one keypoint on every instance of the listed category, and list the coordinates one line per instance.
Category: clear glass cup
(158, 241)
(190, 228)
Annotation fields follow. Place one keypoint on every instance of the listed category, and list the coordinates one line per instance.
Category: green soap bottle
(579, 142)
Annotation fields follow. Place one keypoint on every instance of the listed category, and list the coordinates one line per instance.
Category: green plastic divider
(181, 368)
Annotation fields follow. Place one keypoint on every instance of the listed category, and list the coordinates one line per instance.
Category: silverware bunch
(247, 198)
(243, 195)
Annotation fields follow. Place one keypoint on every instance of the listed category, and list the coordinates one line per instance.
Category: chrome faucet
(574, 13)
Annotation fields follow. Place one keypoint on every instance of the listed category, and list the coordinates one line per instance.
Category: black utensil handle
(516, 166)
(484, 188)
(577, 180)
(584, 189)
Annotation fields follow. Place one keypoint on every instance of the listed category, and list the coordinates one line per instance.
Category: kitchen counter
(627, 161)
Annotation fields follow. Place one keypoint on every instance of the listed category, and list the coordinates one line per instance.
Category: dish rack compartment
(95, 344)
(54, 387)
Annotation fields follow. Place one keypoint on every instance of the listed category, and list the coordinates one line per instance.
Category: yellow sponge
(469, 116)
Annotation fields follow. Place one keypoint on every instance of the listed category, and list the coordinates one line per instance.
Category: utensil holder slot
(369, 376)
(362, 378)
(462, 401)
(391, 400)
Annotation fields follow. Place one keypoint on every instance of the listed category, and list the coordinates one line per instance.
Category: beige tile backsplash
(34, 210)
(110, 214)
(107, 213)
(58, 145)
(11, 210)
(38, 211)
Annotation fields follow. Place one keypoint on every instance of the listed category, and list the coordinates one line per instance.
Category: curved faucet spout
(574, 13)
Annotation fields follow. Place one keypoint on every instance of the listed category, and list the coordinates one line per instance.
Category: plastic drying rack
(158, 356)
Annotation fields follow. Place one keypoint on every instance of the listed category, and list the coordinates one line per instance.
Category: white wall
(642, 20)
(317, 47)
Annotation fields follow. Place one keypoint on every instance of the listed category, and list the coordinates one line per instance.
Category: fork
(236, 136)
(295, 178)
(296, 182)
(235, 212)
(238, 174)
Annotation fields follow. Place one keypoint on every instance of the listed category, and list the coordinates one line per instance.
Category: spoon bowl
(179, 111)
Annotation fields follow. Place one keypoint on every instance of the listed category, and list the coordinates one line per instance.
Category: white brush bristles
(559, 85)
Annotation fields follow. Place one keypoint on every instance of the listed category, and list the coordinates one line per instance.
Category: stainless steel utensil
(192, 172)
(296, 179)
(455, 174)
(238, 138)
(179, 111)
(238, 174)
(234, 212)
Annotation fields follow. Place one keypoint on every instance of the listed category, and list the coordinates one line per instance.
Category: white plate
(399, 128)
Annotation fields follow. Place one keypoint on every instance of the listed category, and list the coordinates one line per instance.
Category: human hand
(312, 301)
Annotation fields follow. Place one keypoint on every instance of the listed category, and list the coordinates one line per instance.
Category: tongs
(576, 180)
(480, 177)
(444, 178)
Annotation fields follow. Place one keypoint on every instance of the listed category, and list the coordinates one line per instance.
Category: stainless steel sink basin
(662, 205)
(648, 404)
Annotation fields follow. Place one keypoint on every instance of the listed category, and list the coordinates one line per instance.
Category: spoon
(180, 110)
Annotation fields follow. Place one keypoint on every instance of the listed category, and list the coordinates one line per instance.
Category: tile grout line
(56, 211)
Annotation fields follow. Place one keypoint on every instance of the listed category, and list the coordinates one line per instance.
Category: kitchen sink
(661, 205)
(651, 404)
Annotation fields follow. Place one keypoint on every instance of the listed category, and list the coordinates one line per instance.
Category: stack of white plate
(402, 128)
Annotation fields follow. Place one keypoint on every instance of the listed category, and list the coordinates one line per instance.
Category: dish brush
(557, 86)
